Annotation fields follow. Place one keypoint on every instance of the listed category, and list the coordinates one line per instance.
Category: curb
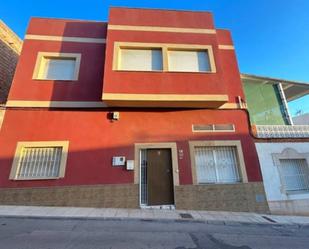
(160, 220)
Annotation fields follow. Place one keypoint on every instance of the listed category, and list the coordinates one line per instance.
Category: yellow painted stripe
(164, 97)
(161, 29)
(58, 104)
(95, 104)
(226, 47)
(231, 106)
(65, 39)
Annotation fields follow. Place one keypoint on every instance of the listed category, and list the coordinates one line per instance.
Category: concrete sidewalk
(211, 217)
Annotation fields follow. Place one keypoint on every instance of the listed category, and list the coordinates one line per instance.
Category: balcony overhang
(165, 100)
(292, 89)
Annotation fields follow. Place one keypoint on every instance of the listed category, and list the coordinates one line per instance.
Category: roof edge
(266, 78)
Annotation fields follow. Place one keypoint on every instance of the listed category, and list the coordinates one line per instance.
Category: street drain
(186, 216)
(268, 219)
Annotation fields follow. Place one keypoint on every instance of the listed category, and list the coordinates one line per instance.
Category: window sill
(297, 192)
(157, 71)
(139, 71)
(37, 179)
(193, 72)
(218, 183)
(74, 80)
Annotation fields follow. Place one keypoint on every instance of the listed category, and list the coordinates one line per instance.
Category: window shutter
(59, 69)
(141, 59)
(188, 61)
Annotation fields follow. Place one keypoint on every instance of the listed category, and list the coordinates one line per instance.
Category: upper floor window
(188, 61)
(140, 59)
(163, 57)
(57, 66)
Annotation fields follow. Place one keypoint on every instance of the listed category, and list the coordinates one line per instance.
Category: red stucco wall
(171, 82)
(94, 140)
(89, 85)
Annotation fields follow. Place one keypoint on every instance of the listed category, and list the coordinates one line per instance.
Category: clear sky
(271, 37)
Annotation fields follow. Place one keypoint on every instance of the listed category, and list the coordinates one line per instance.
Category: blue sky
(271, 36)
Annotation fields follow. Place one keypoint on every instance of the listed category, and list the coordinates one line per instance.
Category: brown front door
(159, 177)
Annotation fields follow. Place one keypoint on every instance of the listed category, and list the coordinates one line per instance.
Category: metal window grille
(217, 164)
(212, 127)
(39, 162)
(144, 198)
(295, 174)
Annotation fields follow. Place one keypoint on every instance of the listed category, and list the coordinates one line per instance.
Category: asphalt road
(30, 233)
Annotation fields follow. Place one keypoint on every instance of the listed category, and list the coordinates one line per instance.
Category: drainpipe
(285, 104)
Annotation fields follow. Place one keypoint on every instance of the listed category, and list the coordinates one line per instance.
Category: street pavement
(157, 214)
(117, 233)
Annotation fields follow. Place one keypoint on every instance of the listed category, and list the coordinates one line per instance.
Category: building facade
(282, 144)
(145, 110)
(10, 47)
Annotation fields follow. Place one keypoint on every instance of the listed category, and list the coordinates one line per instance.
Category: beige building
(10, 47)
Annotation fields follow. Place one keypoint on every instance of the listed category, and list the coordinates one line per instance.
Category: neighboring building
(10, 48)
(143, 111)
(302, 119)
(282, 144)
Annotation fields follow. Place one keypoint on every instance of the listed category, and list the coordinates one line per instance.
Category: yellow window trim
(21, 145)
(240, 156)
(165, 47)
(226, 47)
(39, 66)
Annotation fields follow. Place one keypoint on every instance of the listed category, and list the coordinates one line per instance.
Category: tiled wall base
(242, 197)
(116, 196)
(290, 207)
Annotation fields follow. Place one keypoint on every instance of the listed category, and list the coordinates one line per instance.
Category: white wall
(280, 201)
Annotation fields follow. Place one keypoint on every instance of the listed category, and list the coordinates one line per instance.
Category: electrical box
(119, 161)
(130, 164)
(115, 115)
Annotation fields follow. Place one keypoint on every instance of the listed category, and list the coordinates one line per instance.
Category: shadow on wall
(8, 62)
(94, 166)
(89, 85)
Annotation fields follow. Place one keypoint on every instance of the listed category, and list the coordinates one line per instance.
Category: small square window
(135, 59)
(52, 66)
